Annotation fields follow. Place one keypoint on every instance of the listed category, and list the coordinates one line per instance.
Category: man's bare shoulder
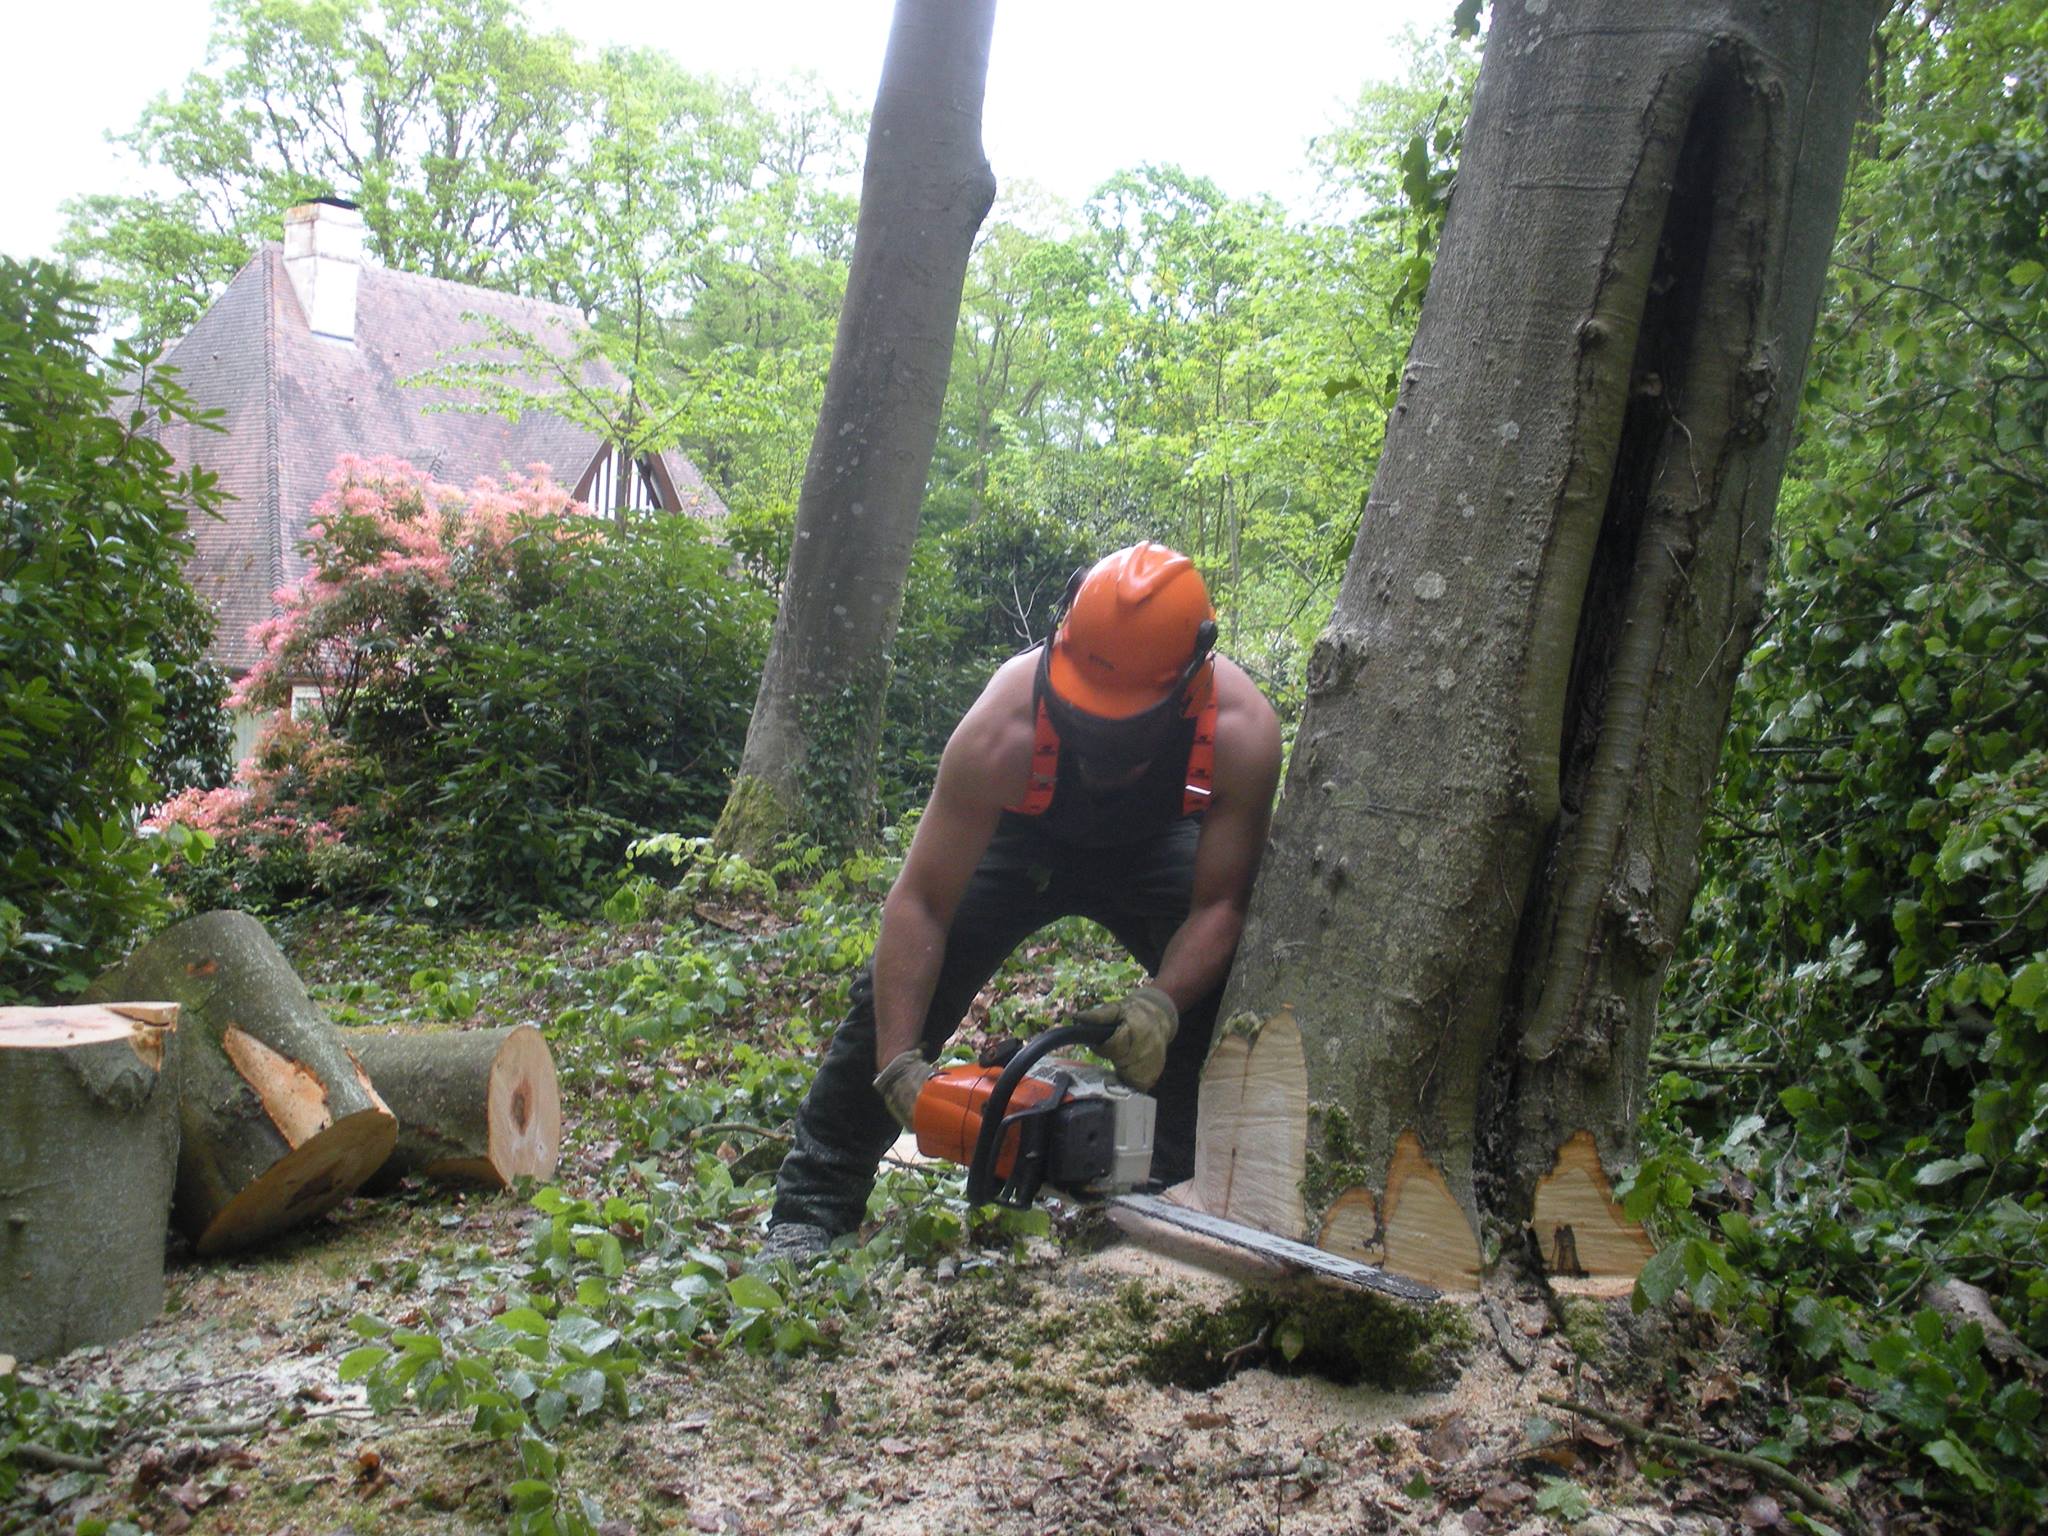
(1247, 732)
(988, 755)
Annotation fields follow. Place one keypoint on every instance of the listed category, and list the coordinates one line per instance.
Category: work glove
(900, 1082)
(1145, 1023)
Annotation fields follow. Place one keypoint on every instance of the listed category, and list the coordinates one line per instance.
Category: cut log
(1424, 1233)
(1250, 1159)
(88, 1155)
(1589, 1247)
(279, 1122)
(480, 1106)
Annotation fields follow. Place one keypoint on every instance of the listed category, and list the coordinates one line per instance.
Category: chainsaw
(1023, 1119)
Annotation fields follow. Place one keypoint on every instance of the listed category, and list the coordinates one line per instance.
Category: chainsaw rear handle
(982, 1186)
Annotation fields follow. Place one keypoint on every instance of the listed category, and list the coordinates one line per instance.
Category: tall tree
(1488, 837)
(809, 763)
(447, 120)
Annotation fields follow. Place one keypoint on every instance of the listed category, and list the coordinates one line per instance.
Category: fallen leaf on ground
(1203, 1418)
(1449, 1441)
(1760, 1512)
(1502, 1497)
(1719, 1388)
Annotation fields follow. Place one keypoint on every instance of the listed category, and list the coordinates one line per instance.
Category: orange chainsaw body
(949, 1109)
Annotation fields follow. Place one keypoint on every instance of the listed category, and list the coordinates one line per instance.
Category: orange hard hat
(1134, 635)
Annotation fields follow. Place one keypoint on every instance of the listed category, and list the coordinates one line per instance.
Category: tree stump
(88, 1154)
(279, 1122)
(480, 1106)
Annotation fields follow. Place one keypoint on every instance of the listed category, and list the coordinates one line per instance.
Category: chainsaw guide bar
(1287, 1251)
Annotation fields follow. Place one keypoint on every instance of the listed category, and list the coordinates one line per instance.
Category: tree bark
(88, 1155)
(809, 761)
(1488, 837)
(479, 1106)
(278, 1120)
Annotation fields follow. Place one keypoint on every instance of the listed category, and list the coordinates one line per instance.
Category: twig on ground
(1769, 1471)
(737, 1128)
(56, 1461)
(222, 1429)
(1232, 1356)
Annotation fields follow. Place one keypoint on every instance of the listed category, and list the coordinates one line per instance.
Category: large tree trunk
(809, 762)
(88, 1154)
(1487, 841)
(278, 1121)
(479, 1106)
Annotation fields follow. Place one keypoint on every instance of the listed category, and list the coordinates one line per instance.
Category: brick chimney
(323, 253)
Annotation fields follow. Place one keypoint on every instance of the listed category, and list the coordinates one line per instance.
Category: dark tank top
(1107, 818)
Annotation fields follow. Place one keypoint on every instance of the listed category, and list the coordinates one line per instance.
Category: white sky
(1077, 88)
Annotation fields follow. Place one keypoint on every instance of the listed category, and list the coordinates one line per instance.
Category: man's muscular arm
(983, 769)
(1233, 840)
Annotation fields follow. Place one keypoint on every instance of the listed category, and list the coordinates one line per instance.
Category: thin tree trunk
(809, 761)
(1488, 837)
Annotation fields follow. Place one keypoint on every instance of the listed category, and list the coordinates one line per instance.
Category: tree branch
(1769, 1471)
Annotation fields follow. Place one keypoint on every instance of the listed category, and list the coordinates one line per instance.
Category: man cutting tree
(1120, 771)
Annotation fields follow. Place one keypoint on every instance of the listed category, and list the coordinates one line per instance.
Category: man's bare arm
(1227, 858)
(980, 771)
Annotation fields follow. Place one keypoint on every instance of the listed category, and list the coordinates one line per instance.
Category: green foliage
(516, 692)
(698, 1038)
(608, 697)
(99, 638)
(1871, 940)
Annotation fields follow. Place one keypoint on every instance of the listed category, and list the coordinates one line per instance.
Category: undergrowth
(685, 1028)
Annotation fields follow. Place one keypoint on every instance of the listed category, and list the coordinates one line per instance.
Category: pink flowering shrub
(391, 554)
(511, 691)
(276, 832)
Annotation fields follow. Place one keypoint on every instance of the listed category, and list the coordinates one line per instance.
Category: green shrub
(520, 690)
(1870, 947)
(97, 629)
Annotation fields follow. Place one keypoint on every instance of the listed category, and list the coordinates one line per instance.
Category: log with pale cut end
(1250, 1158)
(481, 1106)
(279, 1123)
(1588, 1246)
(88, 1155)
(1424, 1233)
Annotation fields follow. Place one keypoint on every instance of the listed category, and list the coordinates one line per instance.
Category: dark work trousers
(1138, 891)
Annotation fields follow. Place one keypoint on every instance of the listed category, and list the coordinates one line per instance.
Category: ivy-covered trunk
(1488, 837)
(809, 762)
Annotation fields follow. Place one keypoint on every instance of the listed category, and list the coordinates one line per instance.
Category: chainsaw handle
(981, 1172)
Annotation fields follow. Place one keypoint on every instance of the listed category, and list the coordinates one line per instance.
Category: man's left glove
(900, 1082)
(1145, 1021)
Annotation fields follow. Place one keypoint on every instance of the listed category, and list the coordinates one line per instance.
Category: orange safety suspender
(1045, 767)
(1045, 764)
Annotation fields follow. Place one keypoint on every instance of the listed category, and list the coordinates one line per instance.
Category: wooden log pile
(198, 1085)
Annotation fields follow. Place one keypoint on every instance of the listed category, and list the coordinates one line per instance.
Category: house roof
(292, 402)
